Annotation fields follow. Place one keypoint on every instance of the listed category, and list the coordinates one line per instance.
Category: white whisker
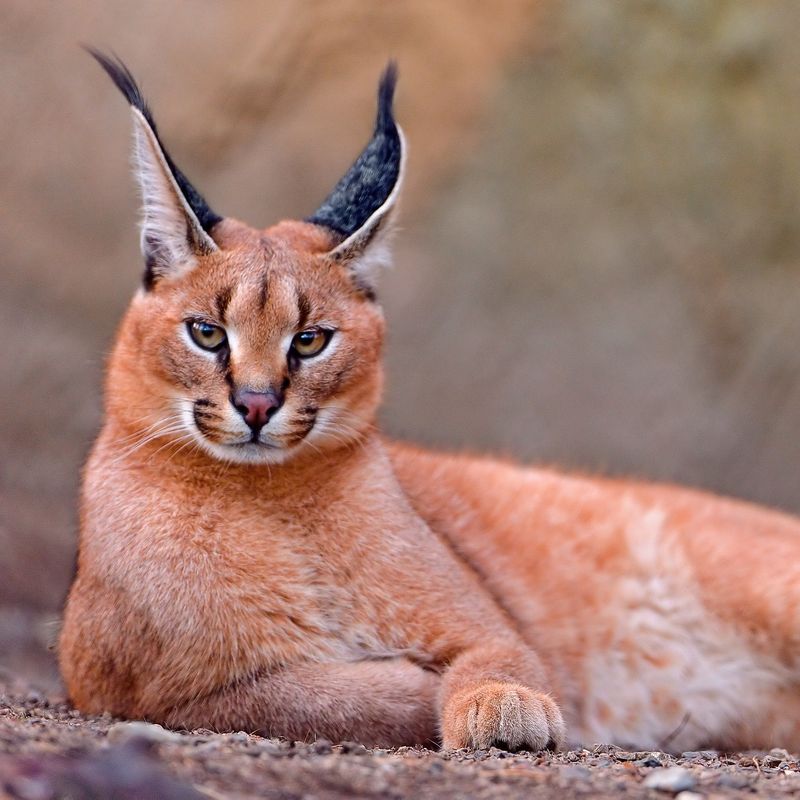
(167, 425)
(188, 436)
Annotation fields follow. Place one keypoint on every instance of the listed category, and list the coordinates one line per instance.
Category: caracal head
(250, 345)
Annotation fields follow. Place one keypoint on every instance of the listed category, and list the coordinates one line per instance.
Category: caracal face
(265, 350)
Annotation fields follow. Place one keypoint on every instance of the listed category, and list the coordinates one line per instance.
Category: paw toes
(502, 715)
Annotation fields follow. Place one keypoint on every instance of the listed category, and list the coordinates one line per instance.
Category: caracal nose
(257, 407)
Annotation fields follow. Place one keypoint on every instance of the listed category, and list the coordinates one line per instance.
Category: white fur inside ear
(367, 252)
(172, 236)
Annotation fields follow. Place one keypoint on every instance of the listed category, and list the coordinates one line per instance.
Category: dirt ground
(48, 751)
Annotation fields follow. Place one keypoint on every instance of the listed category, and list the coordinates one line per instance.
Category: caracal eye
(206, 335)
(310, 342)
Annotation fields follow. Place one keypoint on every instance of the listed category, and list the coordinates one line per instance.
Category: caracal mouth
(260, 448)
(248, 451)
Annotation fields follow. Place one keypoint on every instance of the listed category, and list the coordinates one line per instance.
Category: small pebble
(575, 772)
(354, 748)
(705, 755)
(122, 732)
(209, 746)
(271, 747)
(672, 779)
(606, 748)
(730, 780)
(650, 761)
(688, 796)
(322, 747)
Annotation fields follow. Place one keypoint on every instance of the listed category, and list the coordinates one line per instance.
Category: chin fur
(250, 453)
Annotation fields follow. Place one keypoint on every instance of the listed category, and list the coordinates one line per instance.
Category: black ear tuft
(368, 184)
(385, 121)
(125, 82)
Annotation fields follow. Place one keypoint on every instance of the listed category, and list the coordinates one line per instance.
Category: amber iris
(310, 342)
(206, 335)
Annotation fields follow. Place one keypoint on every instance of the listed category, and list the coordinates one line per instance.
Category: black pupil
(207, 331)
(307, 337)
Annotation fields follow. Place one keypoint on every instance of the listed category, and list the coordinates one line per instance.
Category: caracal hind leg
(689, 623)
(746, 563)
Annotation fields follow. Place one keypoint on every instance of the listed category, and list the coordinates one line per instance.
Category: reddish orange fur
(371, 590)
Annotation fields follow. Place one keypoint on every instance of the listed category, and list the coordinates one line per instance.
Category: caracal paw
(505, 715)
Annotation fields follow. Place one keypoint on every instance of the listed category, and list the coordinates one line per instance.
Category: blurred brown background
(599, 261)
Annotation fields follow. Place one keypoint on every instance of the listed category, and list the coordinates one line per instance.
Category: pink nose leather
(257, 407)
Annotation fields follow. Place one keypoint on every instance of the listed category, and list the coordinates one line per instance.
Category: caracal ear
(361, 207)
(176, 220)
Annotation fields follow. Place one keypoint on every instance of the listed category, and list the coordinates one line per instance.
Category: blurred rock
(672, 779)
(122, 773)
(138, 731)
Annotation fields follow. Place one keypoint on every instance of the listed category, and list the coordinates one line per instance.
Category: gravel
(671, 779)
(48, 750)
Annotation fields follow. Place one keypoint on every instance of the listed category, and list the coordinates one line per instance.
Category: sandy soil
(48, 750)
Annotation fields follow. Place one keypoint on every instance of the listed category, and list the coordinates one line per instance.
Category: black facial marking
(263, 292)
(306, 419)
(304, 310)
(224, 362)
(304, 427)
(204, 417)
(149, 277)
(126, 83)
(221, 303)
(369, 182)
(200, 421)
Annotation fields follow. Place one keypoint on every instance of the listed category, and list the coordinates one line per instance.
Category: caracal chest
(299, 577)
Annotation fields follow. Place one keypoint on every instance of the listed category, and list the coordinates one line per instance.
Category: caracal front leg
(387, 703)
(494, 694)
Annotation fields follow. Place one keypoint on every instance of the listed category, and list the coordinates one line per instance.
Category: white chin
(249, 453)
